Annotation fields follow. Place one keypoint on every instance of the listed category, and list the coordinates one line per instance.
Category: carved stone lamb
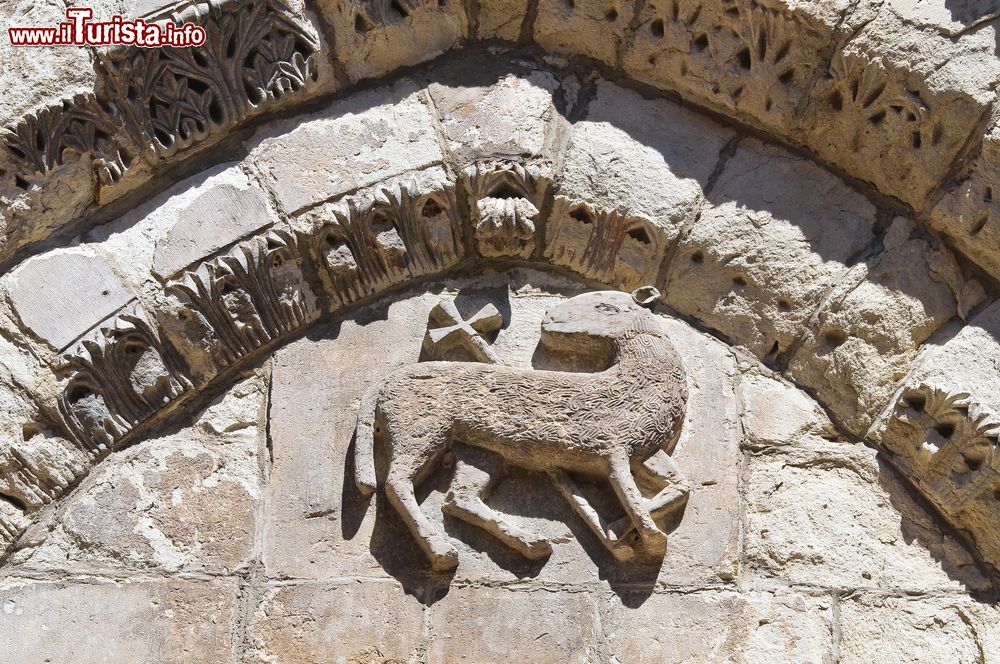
(603, 425)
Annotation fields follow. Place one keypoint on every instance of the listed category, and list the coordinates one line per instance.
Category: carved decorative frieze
(947, 444)
(739, 54)
(170, 98)
(166, 99)
(505, 201)
(247, 298)
(606, 245)
(367, 244)
(603, 425)
(119, 376)
(79, 126)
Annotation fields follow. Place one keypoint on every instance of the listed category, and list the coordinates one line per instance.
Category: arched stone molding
(766, 250)
(898, 99)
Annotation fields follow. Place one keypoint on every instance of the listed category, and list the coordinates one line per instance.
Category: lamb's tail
(364, 442)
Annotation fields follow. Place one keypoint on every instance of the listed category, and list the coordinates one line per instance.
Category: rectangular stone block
(496, 626)
(887, 630)
(375, 38)
(355, 143)
(138, 622)
(488, 112)
(838, 517)
(367, 621)
(65, 292)
(720, 626)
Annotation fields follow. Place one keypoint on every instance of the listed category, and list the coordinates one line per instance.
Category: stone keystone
(447, 330)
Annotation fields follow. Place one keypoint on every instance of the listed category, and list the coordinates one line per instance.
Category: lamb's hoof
(623, 549)
(655, 541)
(536, 549)
(444, 560)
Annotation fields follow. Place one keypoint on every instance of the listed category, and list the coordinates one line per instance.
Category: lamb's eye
(608, 309)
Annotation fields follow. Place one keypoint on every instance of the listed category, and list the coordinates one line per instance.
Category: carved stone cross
(447, 330)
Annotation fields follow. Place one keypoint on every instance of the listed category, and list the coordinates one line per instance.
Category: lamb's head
(594, 321)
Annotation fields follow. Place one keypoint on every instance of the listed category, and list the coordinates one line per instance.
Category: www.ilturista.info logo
(79, 30)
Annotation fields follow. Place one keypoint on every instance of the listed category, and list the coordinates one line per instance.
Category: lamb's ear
(646, 296)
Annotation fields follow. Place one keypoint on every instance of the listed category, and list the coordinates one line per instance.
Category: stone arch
(758, 230)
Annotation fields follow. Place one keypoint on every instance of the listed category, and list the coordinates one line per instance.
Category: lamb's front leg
(631, 499)
(472, 485)
(664, 479)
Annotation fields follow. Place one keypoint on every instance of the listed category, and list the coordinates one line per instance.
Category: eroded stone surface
(721, 626)
(373, 38)
(836, 516)
(494, 114)
(354, 144)
(140, 622)
(883, 630)
(61, 295)
(327, 623)
(864, 338)
(499, 625)
(593, 28)
(772, 241)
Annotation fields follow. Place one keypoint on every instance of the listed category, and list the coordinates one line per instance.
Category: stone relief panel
(606, 425)
(455, 474)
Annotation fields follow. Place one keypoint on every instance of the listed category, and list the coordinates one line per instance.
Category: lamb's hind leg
(631, 499)
(662, 478)
(472, 485)
(442, 554)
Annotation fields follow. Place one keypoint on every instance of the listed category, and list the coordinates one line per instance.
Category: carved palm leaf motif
(43, 142)
(118, 378)
(950, 442)
(251, 296)
(427, 226)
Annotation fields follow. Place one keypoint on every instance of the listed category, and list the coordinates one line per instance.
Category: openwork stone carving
(606, 245)
(505, 201)
(79, 126)
(372, 243)
(736, 53)
(118, 377)
(247, 298)
(602, 425)
(171, 98)
(948, 445)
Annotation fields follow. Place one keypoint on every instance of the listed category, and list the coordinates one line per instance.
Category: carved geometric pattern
(446, 330)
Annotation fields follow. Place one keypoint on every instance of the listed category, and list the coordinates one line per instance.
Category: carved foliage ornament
(368, 244)
(118, 377)
(605, 425)
(948, 445)
(167, 99)
(249, 297)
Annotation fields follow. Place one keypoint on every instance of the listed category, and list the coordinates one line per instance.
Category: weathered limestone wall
(185, 338)
(241, 537)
